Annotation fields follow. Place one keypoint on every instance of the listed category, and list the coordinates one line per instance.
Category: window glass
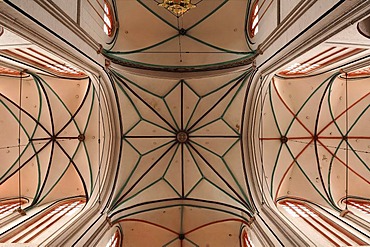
(329, 231)
(108, 19)
(253, 20)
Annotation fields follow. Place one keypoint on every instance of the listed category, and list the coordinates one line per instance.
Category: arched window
(321, 224)
(115, 240)
(362, 206)
(40, 225)
(7, 71)
(108, 19)
(253, 20)
(8, 206)
(246, 240)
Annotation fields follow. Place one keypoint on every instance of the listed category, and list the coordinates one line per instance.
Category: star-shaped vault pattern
(181, 149)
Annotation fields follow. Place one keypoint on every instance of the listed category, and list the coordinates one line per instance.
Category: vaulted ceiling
(180, 172)
(155, 38)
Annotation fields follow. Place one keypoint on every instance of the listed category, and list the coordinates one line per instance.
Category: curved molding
(289, 20)
(363, 27)
(61, 16)
(276, 228)
(346, 17)
(236, 64)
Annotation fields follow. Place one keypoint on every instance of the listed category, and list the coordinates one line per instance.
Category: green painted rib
(135, 84)
(274, 170)
(331, 109)
(61, 101)
(168, 108)
(205, 125)
(172, 89)
(231, 127)
(90, 167)
(84, 144)
(129, 98)
(281, 145)
(330, 168)
(134, 106)
(192, 188)
(187, 84)
(130, 129)
(330, 79)
(170, 162)
(157, 148)
(350, 129)
(161, 127)
(182, 220)
(234, 96)
(25, 132)
(356, 154)
(192, 113)
(195, 161)
(30, 136)
(57, 181)
(172, 187)
(132, 146)
(142, 49)
(90, 111)
(187, 239)
(201, 66)
(273, 111)
(350, 146)
(128, 178)
(158, 16)
(173, 118)
(34, 132)
(226, 84)
(308, 179)
(135, 167)
(179, 205)
(38, 81)
(170, 242)
(137, 193)
(208, 15)
(227, 167)
(236, 141)
(247, 53)
(224, 191)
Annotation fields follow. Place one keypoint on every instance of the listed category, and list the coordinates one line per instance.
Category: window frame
(310, 212)
(31, 224)
(253, 16)
(108, 16)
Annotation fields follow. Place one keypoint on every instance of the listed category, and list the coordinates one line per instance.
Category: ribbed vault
(315, 138)
(155, 38)
(55, 121)
(181, 165)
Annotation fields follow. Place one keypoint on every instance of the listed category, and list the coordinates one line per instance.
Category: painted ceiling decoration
(318, 149)
(36, 57)
(324, 59)
(155, 38)
(176, 168)
(181, 156)
(55, 121)
(363, 72)
(363, 27)
(8, 71)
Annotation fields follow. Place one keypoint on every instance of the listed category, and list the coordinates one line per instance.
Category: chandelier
(178, 7)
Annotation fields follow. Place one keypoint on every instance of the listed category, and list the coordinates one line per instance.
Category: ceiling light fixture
(177, 7)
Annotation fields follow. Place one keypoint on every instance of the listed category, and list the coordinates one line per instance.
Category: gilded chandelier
(178, 7)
